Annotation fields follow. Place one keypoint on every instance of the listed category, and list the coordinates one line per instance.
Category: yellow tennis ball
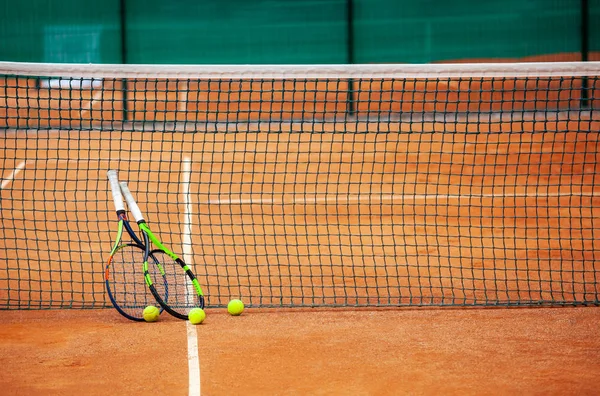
(235, 307)
(151, 313)
(196, 315)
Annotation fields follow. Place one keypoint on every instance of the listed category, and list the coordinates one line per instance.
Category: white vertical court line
(10, 177)
(94, 99)
(183, 98)
(186, 238)
(192, 335)
(193, 360)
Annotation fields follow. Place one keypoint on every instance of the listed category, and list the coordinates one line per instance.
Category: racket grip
(116, 190)
(133, 206)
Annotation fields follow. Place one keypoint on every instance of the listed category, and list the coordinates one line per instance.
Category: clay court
(409, 351)
(365, 249)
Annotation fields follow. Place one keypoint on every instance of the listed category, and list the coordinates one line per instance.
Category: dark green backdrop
(291, 31)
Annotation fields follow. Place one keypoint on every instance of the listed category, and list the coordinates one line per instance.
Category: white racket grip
(116, 190)
(133, 206)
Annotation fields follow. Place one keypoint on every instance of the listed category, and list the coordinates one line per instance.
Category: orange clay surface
(295, 352)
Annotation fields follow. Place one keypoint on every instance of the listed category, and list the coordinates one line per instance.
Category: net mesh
(364, 185)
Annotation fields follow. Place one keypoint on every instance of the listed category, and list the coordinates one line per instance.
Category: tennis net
(304, 186)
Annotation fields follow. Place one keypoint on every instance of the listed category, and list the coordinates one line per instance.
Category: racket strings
(178, 290)
(126, 280)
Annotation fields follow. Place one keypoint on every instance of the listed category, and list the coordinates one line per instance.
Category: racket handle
(133, 206)
(116, 190)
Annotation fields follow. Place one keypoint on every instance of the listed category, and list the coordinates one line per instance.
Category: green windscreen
(426, 31)
(299, 31)
(594, 34)
(238, 31)
(63, 31)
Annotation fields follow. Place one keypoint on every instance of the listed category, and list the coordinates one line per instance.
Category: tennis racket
(184, 291)
(124, 273)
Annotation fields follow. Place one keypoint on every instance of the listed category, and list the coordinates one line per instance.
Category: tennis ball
(235, 307)
(151, 313)
(196, 315)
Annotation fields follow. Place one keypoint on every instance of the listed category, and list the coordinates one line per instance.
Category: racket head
(125, 283)
(180, 292)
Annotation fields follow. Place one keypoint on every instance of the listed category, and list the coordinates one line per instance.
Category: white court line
(183, 98)
(10, 177)
(374, 198)
(87, 159)
(95, 98)
(193, 360)
(187, 221)
(192, 335)
(80, 159)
